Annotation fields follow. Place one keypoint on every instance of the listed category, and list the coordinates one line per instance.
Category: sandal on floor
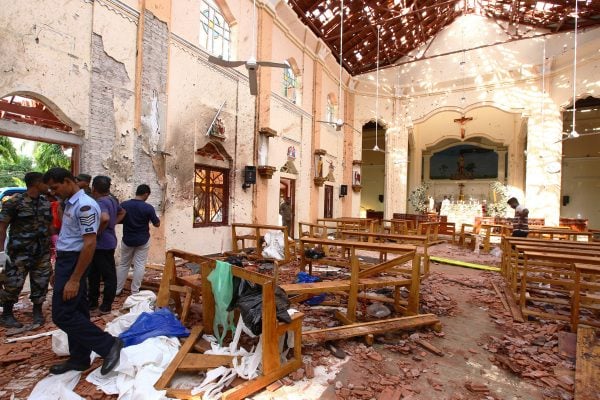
(335, 350)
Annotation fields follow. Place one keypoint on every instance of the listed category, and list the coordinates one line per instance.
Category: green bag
(221, 280)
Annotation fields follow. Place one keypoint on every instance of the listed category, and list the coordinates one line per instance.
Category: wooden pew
(363, 279)
(254, 233)
(273, 368)
(419, 240)
(550, 278)
(586, 294)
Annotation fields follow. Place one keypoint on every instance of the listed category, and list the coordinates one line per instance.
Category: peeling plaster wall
(46, 54)
(189, 118)
(505, 76)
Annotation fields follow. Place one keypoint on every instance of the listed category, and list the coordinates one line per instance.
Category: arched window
(215, 33)
(331, 111)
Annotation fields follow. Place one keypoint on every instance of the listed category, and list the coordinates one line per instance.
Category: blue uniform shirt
(80, 217)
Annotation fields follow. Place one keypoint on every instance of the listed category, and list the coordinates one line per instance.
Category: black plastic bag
(248, 298)
(314, 253)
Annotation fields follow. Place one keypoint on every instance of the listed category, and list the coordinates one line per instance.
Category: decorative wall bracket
(356, 188)
(266, 171)
(267, 132)
(319, 180)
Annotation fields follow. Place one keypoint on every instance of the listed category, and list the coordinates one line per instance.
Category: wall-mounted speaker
(249, 176)
(343, 190)
(566, 200)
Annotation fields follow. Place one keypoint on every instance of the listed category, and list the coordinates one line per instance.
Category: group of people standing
(84, 256)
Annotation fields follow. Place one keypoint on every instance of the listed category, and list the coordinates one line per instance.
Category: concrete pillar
(396, 170)
(352, 198)
(263, 118)
(544, 152)
(316, 138)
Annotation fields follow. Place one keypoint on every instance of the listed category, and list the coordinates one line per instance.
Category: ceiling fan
(252, 64)
(376, 147)
(339, 123)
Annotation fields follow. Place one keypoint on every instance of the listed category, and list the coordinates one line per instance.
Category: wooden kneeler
(272, 367)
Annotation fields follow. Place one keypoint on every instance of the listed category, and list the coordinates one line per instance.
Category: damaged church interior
(378, 199)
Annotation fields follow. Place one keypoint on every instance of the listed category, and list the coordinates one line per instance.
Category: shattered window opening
(215, 34)
(290, 85)
(211, 194)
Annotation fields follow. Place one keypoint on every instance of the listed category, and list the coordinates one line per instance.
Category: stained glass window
(211, 194)
(215, 34)
(290, 85)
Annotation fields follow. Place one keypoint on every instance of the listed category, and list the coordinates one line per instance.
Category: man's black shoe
(66, 367)
(112, 358)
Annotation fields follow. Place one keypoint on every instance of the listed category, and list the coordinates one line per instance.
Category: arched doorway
(44, 134)
(581, 162)
(372, 169)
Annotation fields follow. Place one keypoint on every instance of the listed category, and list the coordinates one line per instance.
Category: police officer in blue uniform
(74, 251)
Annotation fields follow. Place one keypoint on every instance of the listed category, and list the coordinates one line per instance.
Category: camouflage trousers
(34, 262)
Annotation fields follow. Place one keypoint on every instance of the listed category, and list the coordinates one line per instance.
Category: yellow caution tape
(464, 264)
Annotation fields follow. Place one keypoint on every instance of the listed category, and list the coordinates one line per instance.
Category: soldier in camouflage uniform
(28, 252)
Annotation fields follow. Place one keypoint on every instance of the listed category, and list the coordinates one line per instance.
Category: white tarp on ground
(139, 367)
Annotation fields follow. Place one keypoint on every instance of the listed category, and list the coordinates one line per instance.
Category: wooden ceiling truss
(409, 24)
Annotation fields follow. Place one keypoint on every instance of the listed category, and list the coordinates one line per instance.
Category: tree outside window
(211, 196)
(215, 34)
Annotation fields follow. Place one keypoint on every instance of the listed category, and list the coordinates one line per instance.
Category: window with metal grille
(215, 34)
(211, 196)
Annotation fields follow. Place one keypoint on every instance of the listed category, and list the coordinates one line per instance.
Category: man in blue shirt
(136, 238)
(74, 251)
(103, 266)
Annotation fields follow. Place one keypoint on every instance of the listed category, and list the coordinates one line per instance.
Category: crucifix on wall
(462, 121)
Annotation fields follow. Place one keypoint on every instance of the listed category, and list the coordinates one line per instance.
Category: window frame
(212, 34)
(224, 201)
(290, 81)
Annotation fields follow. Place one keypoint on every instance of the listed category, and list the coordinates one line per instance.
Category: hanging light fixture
(376, 147)
(573, 134)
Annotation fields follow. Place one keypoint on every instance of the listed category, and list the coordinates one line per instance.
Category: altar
(462, 212)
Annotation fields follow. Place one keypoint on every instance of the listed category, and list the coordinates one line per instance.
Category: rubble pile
(433, 297)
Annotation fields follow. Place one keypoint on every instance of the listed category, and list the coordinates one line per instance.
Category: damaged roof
(409, 24)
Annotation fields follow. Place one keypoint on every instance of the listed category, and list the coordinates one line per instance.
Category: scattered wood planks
(587, 385)
(366, 328)
(428, 346)
(509, 302)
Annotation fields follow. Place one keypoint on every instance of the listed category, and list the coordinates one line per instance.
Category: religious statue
(291, 152)
(460, 171)
(356, 178)
(320, 167)
(218, 128)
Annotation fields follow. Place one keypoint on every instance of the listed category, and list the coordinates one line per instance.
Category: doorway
(287, 190)
(328, 207)
(34, 138)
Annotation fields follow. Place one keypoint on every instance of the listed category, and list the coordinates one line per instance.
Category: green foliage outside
(14, 166)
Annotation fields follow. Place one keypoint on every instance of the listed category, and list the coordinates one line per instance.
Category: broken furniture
(173, 286)
(363, 277)
(187, 360)
(243, 236)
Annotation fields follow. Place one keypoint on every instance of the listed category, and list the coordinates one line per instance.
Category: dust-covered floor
(485, 355)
